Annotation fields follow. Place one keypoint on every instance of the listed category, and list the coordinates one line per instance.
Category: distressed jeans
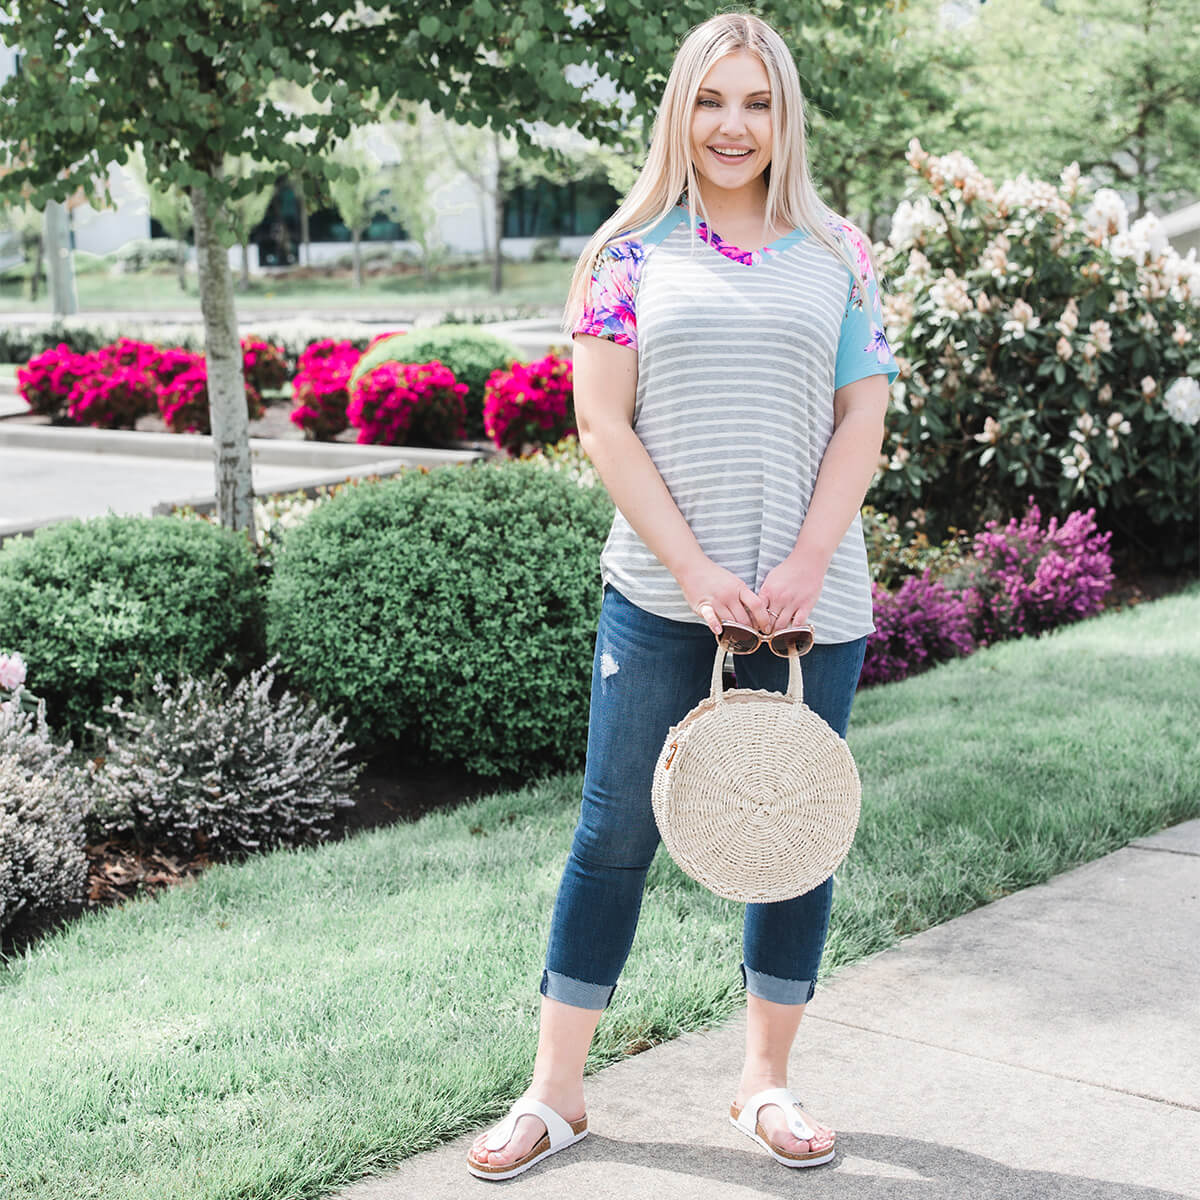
(647, 673)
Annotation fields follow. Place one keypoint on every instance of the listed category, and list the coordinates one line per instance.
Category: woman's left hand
(791, 589)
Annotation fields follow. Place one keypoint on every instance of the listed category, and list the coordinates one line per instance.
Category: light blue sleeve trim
(861, 328)
(664, 228)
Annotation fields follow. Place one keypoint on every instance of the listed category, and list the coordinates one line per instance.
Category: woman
(730, 392)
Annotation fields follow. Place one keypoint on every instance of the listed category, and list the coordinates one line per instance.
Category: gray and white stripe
(735, 408)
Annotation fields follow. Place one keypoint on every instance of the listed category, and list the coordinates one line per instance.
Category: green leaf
(429, 26)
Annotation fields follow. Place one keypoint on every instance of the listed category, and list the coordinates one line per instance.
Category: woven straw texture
(755, 796)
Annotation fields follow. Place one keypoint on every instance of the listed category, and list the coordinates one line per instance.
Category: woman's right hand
(718, 595)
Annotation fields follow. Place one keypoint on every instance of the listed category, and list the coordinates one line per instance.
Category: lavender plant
(42, 809)
(205, 767)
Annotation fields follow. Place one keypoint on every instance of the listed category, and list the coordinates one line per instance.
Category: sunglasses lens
(785, 639)
(738, 639)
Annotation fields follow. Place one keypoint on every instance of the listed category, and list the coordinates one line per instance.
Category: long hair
(792, 200)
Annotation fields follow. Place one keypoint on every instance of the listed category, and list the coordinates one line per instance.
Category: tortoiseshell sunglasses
(741, 639)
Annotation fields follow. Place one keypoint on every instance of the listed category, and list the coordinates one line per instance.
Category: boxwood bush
(470, 353)
(99, 606)
(452, 610)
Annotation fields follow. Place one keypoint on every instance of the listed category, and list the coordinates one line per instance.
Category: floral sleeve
(610, 310)
(862, 345)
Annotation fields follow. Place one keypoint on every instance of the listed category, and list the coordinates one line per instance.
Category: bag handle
(795, 688)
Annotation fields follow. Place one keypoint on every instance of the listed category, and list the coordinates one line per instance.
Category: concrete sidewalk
(1044, 1046)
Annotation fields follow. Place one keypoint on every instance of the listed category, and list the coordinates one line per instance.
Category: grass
(281, 1027)
(542, 284)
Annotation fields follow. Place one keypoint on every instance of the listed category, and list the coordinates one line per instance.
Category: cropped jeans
(648, 672)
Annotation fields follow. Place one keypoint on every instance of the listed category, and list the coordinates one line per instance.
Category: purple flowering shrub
(183, 393)
(112, 397)
(921, 623)
(113, 386)
(46, 382)
(320, 389)
(127, 352)
(1029, 579)
(1022, 579)
(171, 363)
(529, 404)
(264, 364)
(395, 402)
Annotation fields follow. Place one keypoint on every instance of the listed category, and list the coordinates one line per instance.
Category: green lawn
(279, 1028)
(542, 284)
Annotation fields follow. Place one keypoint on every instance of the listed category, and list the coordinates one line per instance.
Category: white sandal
(746, 1119)
(558, 1136)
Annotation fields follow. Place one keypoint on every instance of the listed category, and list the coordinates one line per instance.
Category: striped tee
(739, 355)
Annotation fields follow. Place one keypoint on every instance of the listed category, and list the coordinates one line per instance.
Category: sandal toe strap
(783, 1097)
(556, 1127)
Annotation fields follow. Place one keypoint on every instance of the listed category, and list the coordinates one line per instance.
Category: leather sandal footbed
(775, 1148)
(540, 1147)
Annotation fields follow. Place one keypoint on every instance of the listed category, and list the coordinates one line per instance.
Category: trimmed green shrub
(470, 353)
(453, 610)
(99, 606)
(225, 770)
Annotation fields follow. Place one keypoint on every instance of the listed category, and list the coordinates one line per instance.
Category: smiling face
(731, 124)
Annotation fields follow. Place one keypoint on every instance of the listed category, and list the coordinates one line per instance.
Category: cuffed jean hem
(778, 991)
(576, 992)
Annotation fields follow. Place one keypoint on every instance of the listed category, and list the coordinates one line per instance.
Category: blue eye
(706, 100)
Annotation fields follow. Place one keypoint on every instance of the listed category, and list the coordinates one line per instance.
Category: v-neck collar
(747, 258)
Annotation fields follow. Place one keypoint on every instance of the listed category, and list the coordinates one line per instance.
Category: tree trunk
(60, 264)
(181, 264)
(226, 383)
(483, 222)
(244, 284)
(305, 259)
(35, 276)
(498, 223)
(356, 237)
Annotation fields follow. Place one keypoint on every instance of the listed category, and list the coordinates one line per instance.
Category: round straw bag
(755, 795)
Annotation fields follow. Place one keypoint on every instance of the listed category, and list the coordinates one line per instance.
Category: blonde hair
(792, 200)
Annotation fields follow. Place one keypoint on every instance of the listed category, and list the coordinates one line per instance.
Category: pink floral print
(611, 308)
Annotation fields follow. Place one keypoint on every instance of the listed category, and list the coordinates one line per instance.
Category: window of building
(545, 209)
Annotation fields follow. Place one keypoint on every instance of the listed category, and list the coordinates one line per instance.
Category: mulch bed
(390, 789)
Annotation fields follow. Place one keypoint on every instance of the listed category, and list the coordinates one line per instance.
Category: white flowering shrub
(42, 809)
(25, 734)
(274, 516)
(1048, 347)
(568, 458)
(228, 771)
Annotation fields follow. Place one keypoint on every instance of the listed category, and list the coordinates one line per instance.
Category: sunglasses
(741, 639)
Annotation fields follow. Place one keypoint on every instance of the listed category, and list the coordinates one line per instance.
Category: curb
(272, 451)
